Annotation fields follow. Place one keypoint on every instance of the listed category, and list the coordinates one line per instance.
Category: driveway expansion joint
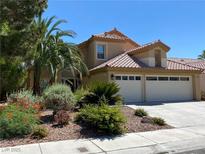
(97, 146)
(40, 148)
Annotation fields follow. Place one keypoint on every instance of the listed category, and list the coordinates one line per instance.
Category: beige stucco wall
(202, 82)
(196, 87)
(101, 76)
(149, 57)
(113, 48)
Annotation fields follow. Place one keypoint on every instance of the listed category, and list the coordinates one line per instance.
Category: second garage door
(168, 88)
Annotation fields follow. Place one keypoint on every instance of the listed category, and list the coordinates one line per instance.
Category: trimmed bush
(158, 121)
(16, 121)
(103, 91)
(39, 132)
(105, 119)
(140, 112)
(59, 97)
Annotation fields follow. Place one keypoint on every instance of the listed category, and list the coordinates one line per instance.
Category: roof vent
(182, 60)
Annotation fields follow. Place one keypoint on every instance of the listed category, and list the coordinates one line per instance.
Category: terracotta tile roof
(114, 35)
(198, 63)
(126, 61)
(110, 36)
(151, 44)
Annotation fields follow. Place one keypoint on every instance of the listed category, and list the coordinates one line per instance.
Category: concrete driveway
(179, 115)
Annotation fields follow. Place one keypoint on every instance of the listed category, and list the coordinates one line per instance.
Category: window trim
(174, 77)
(99, 44)
(119, 77)
(125, 77)
(138, 77)
(163, 77)
(147, 78)
(131, 76)
(181, 77)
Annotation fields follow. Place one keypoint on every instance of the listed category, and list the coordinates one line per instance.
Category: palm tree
(52, 51)
(44, 29)
(202, 56)
(64, 56)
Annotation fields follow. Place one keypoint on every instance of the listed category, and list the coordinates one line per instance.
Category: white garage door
(169, 88)
(130, 87)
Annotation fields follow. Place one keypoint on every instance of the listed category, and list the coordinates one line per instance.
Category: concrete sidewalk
(161, 141)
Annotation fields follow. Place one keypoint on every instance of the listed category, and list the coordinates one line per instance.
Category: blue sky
(181, 25)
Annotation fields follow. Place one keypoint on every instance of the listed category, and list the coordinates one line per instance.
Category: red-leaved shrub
(62, 117)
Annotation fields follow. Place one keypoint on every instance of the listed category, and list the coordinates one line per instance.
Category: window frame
(171, 78)
(160, 78)
(137, 78)
(120, 77)
(125, 77)
(148, 78)
(131, 77)
(104, 46)
(184, 77)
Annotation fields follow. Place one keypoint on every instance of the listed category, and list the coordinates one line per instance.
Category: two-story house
(143, 72)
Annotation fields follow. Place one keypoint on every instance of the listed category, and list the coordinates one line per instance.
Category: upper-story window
(100, 51)
(158, 62)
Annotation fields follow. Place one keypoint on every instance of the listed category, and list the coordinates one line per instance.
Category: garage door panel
(169, 90)
(130, 90)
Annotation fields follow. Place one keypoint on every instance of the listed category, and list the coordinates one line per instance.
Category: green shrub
(158, 121)
(140, 112)
(105, 119)
(103, 91)
(39, 132)
(59, 97)
(80, 95)
(13, 75)
(24, 94)
(16, 121)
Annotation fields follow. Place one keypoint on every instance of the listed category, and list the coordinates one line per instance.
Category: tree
(52, 51)
(18, 14)
(202, 56)
(16, 40)
(64, 56)
(15, 19)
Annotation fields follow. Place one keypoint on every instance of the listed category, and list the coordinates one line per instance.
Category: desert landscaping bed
(75, 131)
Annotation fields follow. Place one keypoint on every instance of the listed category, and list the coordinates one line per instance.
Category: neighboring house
(198, 63)
(143, 72)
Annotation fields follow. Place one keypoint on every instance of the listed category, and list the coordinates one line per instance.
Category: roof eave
(143, 70)
(147, 48)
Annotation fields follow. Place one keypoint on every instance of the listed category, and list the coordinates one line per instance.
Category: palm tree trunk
(36, 80)
(54, 77)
